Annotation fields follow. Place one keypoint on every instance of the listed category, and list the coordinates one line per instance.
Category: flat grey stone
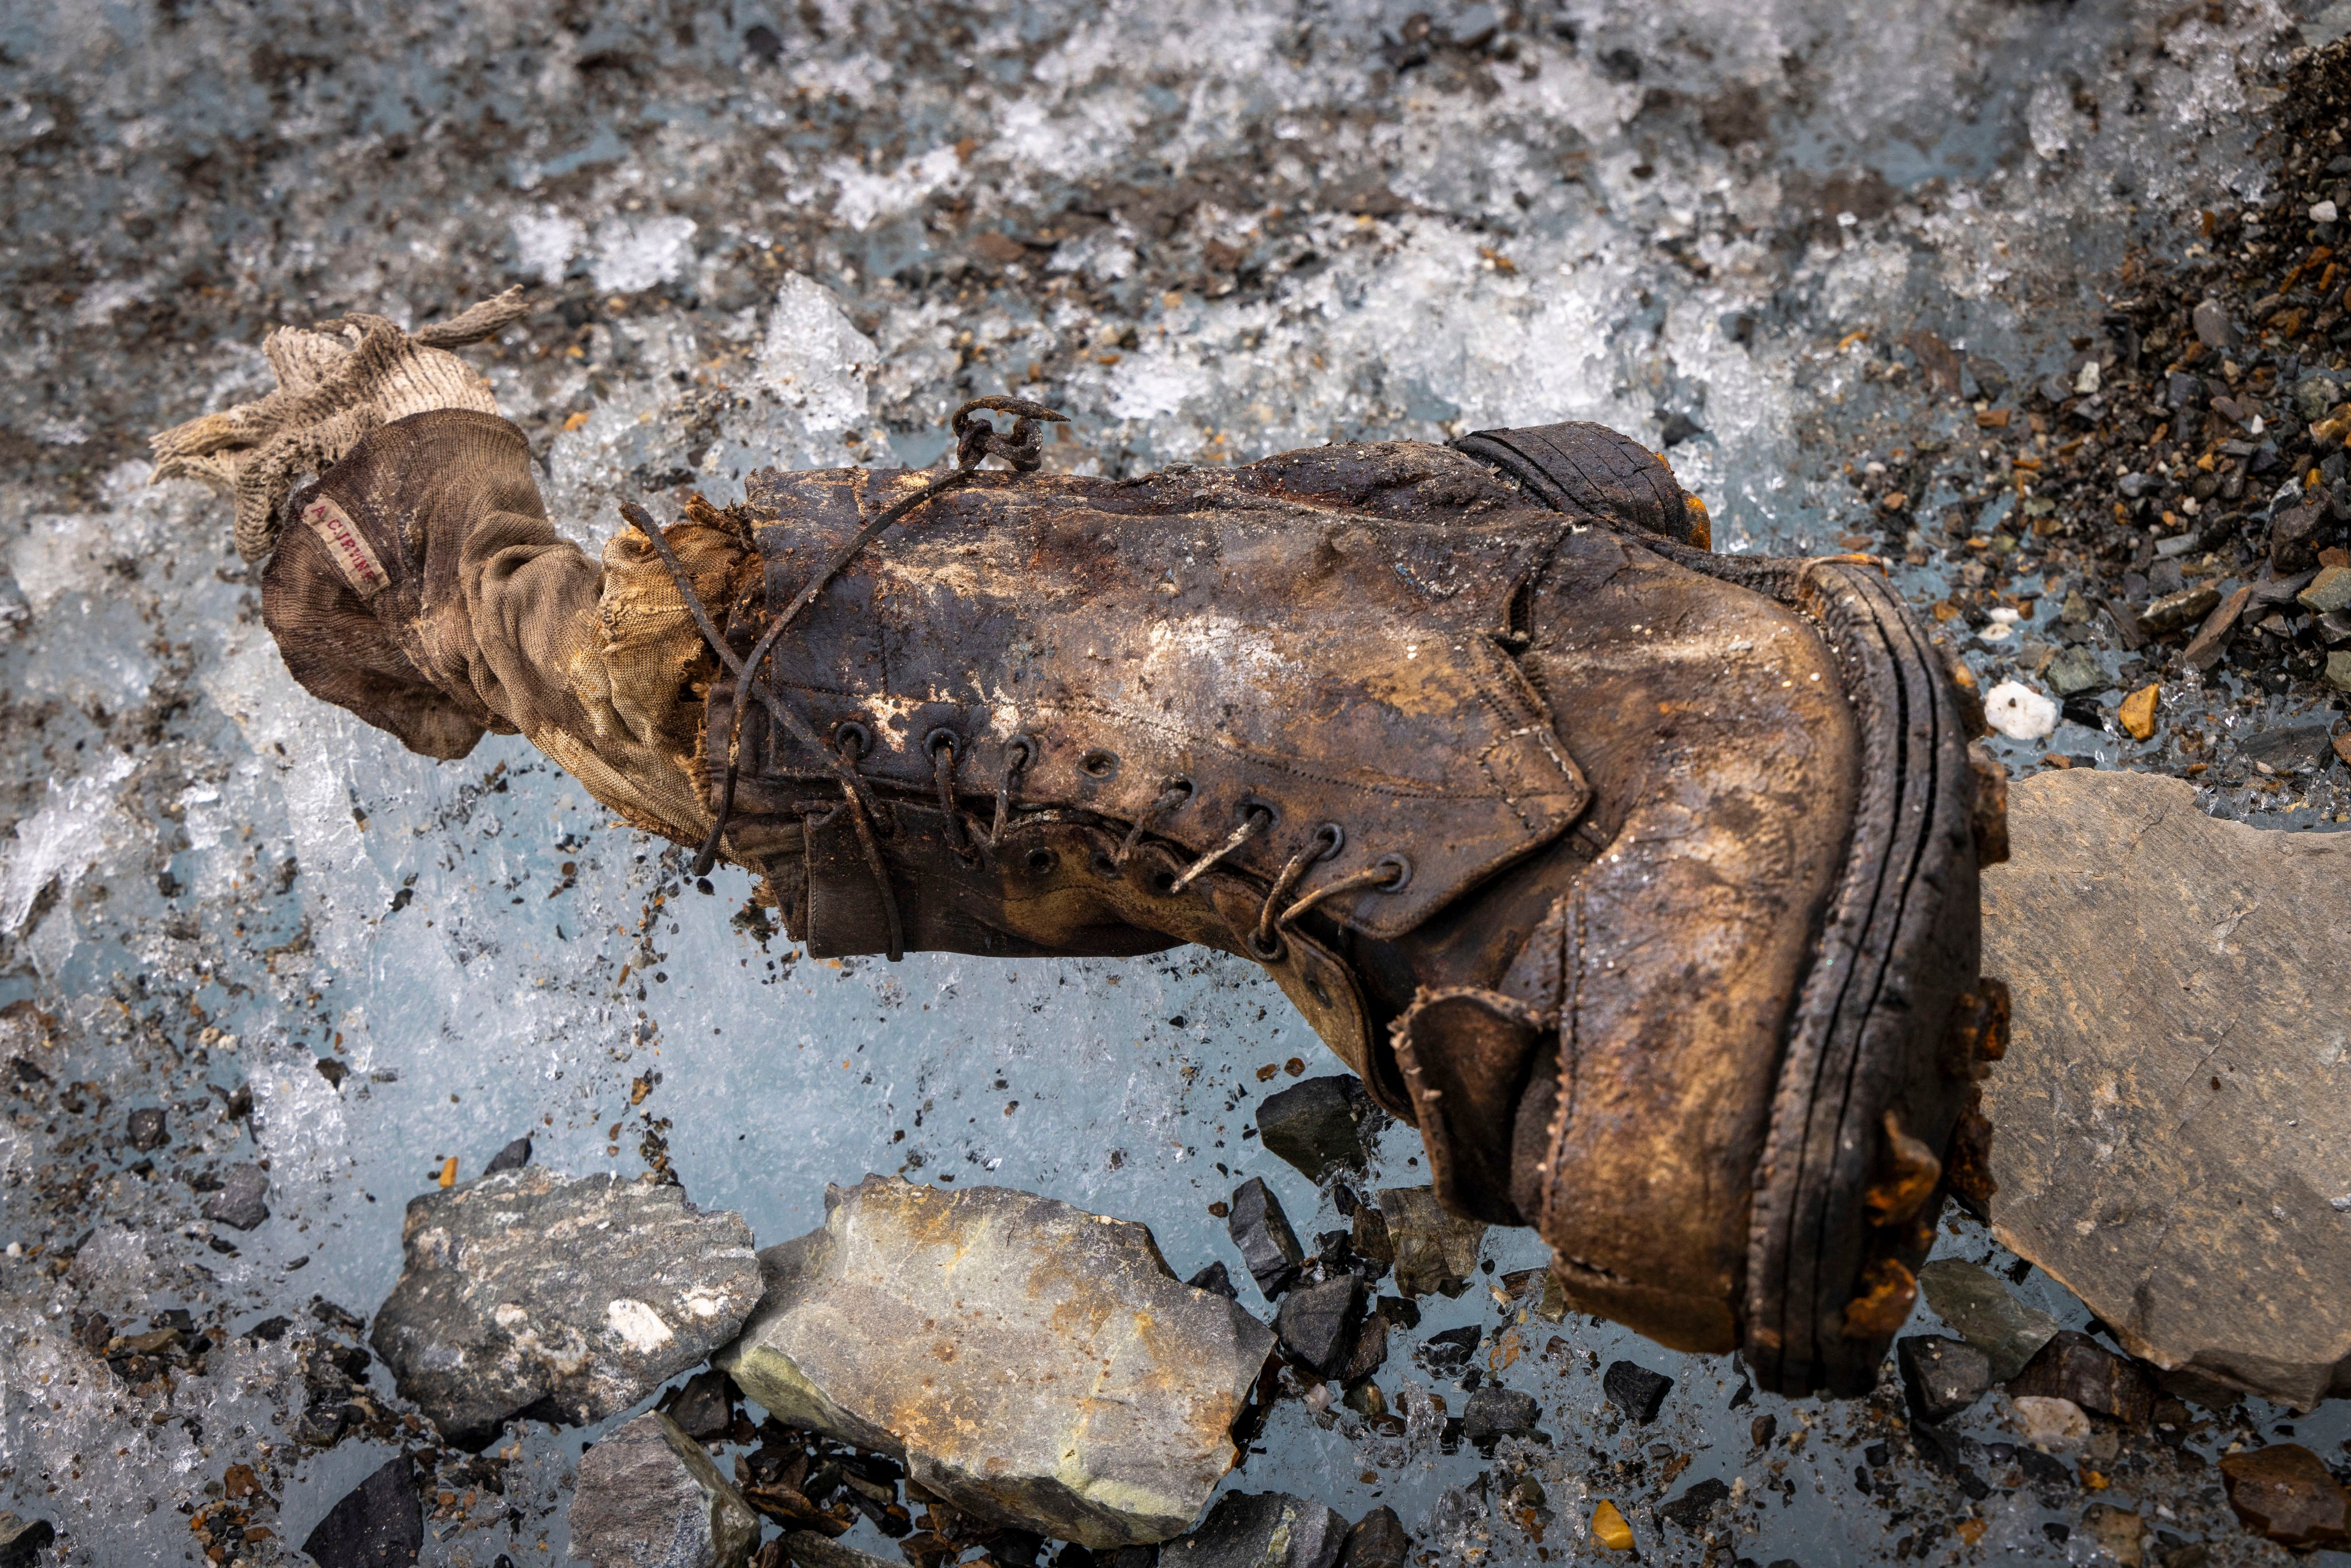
(1032, 1364)
(2172, 1124)
(649, 1497)
(240, 1201)
(527, 1286)
(1261, 1530)
(1986, 1315)
(2074, 671)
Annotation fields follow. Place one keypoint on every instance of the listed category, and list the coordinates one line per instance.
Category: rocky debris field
(265, 980)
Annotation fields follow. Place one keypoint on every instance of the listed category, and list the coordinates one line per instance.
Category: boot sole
(1842, 1215)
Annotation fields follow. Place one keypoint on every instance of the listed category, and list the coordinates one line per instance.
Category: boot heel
(1850, 1182)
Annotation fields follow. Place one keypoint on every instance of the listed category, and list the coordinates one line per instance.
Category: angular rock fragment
(527, 1286)
(648, 1494)
(705, 1407)
(1033, 1364)
(379, 1523)
(1695, 1506)
(513, 1158)
(1369, 1352)
(1261, 1530)
(1495, 1412)
(1986, 1315)
(2118, 1529)
(1262, 1230)
(2286, 1492)
(1377, 1541)
(1434, 1252)
(21, 1540)
(2051, 1422)
(2171, 1142)
(806, 1549)
(146, 1130)
(1941, 1376)
(2076, 1367)
(1319, 1126)
(1370, 1241)
(1216, 1277)
(1317, 1325)
(1635, 1390)
(1450, 1350)
(240, 1202)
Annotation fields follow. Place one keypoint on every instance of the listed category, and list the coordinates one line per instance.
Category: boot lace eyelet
(1099, 764)
(1040, 861)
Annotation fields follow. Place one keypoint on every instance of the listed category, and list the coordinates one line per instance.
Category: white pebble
(2019, 712)
(2321, 211)
(2051, 1422)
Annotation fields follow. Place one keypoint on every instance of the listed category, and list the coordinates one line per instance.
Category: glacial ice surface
(210, 883)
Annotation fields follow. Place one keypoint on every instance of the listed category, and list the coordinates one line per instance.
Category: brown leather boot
(1641, 879)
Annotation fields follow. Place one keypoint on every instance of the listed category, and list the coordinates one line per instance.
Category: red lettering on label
(360, 568)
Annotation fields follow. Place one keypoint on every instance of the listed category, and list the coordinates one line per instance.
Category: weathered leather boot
(1642, 879)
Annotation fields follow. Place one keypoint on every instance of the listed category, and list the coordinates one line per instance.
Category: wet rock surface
(378, 1524)
(2288, 1494)
(2171, 1136)
(1317, 1325)
(1434, 1252)
(1986, 1315)
(1031, 1363)
(1635, 1390)
(1941, 1376)
(527, 1287)
(1320, 1125)
(1376, 1540)
(2076, 1367)
(242, 1200)
(1261, 1529)
(1269, 1247)
(21, 1540)
(649, 1494)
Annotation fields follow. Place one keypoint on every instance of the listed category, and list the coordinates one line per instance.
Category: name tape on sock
(344, 541)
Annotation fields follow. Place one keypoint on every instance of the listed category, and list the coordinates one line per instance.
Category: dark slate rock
(240, 1202)
(1319, 1126)
(513, 1158)
(2288, 746)
(1692, 1509)
(1378, 1541)
(146, 1131)
(1370, 1241)
(1635, 1390)
(1261, 1530)
(381, 1522)
(1262, 1230)
(1941, 1376)
(1216, 1277)
(648, 1494)
(1317, 1325)
(1494, 1412)
(21, 1540)
(2076, 1366)
(1370, 1351)
(705, 1407)
(589, 1294)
